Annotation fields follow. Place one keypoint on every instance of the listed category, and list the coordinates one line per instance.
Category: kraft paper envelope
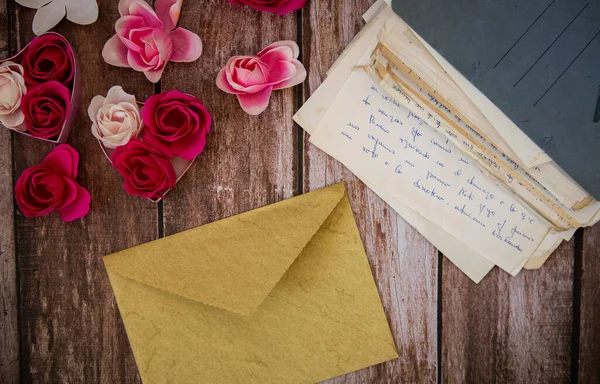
(282, 294)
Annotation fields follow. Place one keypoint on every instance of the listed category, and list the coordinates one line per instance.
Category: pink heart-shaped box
(180, 165)
(74, 88)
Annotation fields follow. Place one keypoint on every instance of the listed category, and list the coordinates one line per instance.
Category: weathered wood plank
(404, 263)
(248, 161)
(9, 308)
(589, 334)
(509, 329)
(70, 325)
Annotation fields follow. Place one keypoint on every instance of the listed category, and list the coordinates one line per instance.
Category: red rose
(51, 186)
(277, 6)
(46, 108)
(146, 171)
(48, 58)
(176, 124)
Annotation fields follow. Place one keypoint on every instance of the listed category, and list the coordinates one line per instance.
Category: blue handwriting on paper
(366, 100)
(352, 125)
(393, 119)
(410, 145)
(462, 210)
(372, 152)
(442, 147)
(416, 134)
(398, 170)
(488, 195)
(375, 123)
(431, 192)
(515, 231)
(497, 233)
(434, 177)
(464, 193)
(485, 210)
(347, 135)
(379, 143)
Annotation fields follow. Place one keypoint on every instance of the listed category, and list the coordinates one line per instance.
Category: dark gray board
(537, 60)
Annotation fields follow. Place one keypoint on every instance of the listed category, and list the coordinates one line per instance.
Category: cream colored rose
(116, 118)
(12, 89)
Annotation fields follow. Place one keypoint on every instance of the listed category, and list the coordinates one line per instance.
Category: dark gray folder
(537, 60)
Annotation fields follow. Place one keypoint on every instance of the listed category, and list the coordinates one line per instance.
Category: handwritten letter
(389, 146)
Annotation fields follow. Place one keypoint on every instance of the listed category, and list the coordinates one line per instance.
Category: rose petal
(115, 52)
(159, 145)
(63, 160)
(94, 107)
(78, 208)
(298, 78)
(154, 75)
(187, 46)
(191, 146)
(283, 43)
(124, 6)
(255, 103)
(223, 84)
(47, 17)
(168, 11)
(117, 95)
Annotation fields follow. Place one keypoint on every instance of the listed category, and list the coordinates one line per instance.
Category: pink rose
(147, 40)
(176, 124)
(50, 186)
(280, 7)
(46, 108)
(253, 78)
(145, 170)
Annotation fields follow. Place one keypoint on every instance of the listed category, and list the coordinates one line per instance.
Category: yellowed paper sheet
(308, 117)
(373, 135)
(312, 312)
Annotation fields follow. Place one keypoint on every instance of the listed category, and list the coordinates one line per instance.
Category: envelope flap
(234, 263)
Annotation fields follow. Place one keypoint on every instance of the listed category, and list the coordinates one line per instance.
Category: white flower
(116, 118)
(12, 89)
(51, 12)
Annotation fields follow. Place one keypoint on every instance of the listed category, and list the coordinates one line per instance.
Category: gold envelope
(282, 294)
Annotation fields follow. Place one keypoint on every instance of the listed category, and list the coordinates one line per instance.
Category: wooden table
(58, 319)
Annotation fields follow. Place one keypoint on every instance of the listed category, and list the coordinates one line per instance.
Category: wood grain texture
(9, 308)
(249, 161)
(403, 262)
(509, 329)
(589, 331)
(71, 330)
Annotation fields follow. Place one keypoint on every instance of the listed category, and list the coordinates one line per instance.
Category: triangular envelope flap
(234, 263)
(324, 318)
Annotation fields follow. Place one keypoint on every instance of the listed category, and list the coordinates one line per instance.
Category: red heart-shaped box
(180, 165)
(74, 87)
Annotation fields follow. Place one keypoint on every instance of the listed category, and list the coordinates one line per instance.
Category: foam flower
(12, 89)
(148, 39)
(115, 118)
(51, 12)
(253, 78)
(50, 186)
(280, 7)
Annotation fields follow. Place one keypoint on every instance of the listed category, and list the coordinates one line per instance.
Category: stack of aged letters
(441, 154)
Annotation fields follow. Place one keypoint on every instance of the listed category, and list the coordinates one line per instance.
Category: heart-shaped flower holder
(180, 165)
(151, 144)
(40, 89)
